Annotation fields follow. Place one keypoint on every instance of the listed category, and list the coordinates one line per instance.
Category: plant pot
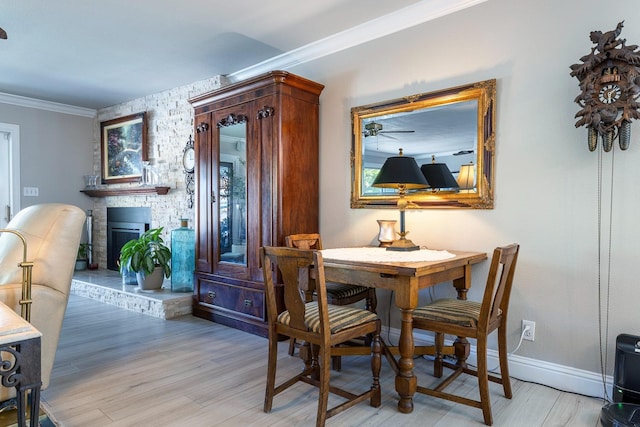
(151, 282)
(81, 264)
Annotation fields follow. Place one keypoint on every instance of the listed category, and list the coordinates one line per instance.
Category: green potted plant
(81, 258)
(148, 257)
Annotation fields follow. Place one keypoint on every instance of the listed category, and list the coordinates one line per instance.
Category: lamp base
(403, 245)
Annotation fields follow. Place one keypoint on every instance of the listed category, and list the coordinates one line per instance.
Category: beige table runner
(369, 254)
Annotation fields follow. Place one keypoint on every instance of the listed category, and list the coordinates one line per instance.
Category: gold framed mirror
(454, 126)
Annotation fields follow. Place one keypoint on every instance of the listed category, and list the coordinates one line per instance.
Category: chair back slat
(309, 241)
(499, 282)
(293, 265)
(304, 241)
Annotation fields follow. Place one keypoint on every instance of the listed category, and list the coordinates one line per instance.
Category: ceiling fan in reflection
(463, 152)
(375, 129)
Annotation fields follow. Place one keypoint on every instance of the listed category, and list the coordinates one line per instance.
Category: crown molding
(23, 101)
(407, 17)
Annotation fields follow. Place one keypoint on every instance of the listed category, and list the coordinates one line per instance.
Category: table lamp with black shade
(401, 172)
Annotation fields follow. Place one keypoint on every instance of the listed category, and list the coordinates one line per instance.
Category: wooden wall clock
(609, 82)
(189, 164)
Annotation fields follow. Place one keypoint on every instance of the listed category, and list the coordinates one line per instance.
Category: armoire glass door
(232, 191)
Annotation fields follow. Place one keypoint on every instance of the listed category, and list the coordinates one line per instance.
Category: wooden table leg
(463, 284)
(461, 350)
(406, 381)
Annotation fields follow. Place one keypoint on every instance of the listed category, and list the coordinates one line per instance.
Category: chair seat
(340, 317)
(454, 311)
(344, 291)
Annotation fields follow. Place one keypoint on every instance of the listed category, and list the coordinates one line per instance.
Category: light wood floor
(119, 368)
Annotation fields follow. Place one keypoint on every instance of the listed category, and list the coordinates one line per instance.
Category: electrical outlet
(529, 334)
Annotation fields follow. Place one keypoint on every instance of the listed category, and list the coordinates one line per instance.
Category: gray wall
(56, 150)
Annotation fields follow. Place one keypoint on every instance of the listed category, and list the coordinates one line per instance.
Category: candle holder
(387, 233)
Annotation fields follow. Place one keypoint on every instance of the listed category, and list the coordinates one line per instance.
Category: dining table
(405, 273)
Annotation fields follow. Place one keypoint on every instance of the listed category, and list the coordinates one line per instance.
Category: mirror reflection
(232, 204)
(445, 134)
(453, 128)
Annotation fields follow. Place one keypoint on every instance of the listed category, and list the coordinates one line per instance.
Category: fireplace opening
(124, 224)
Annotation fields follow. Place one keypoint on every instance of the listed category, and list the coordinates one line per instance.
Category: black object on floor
(620, 415)
(626, 375)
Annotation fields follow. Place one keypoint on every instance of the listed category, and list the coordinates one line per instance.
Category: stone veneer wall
(169, 124)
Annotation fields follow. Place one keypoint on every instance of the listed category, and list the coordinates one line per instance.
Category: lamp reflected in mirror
(438, 176)
(467, 177)
(401, 173)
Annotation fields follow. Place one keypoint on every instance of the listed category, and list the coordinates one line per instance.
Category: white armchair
(52, 232)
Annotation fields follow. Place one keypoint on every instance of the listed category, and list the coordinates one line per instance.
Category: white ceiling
(94, 54)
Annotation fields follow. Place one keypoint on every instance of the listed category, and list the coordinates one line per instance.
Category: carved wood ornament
(202, 127)
(609, 80)
(232, 119)
(265, 112)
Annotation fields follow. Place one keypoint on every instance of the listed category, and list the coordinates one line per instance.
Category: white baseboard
(565, 378)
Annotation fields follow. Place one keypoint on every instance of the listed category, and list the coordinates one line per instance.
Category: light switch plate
(31, 191)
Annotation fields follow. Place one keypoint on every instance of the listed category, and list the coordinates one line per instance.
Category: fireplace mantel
(126, 191)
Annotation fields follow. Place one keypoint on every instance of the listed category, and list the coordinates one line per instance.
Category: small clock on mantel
(189, 164)
(610, 85)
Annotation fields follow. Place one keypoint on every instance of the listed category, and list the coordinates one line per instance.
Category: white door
(9, 172)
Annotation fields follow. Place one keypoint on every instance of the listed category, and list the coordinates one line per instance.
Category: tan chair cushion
(459, 312)
(342, 291)
(340, 317)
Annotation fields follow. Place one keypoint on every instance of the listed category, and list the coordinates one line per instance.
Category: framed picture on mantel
(123, 148)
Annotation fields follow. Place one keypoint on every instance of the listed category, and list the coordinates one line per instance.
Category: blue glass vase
(183, 257)
(128, 277)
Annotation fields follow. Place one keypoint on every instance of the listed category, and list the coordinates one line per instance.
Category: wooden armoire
(256, 174)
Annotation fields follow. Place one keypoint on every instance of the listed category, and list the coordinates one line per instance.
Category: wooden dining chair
(471, 319)
(319, 324)
(337, 293)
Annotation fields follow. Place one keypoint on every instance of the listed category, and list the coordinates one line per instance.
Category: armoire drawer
(236, 298)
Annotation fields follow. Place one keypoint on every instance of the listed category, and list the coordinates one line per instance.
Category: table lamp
(403, 173)
(467, 177)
